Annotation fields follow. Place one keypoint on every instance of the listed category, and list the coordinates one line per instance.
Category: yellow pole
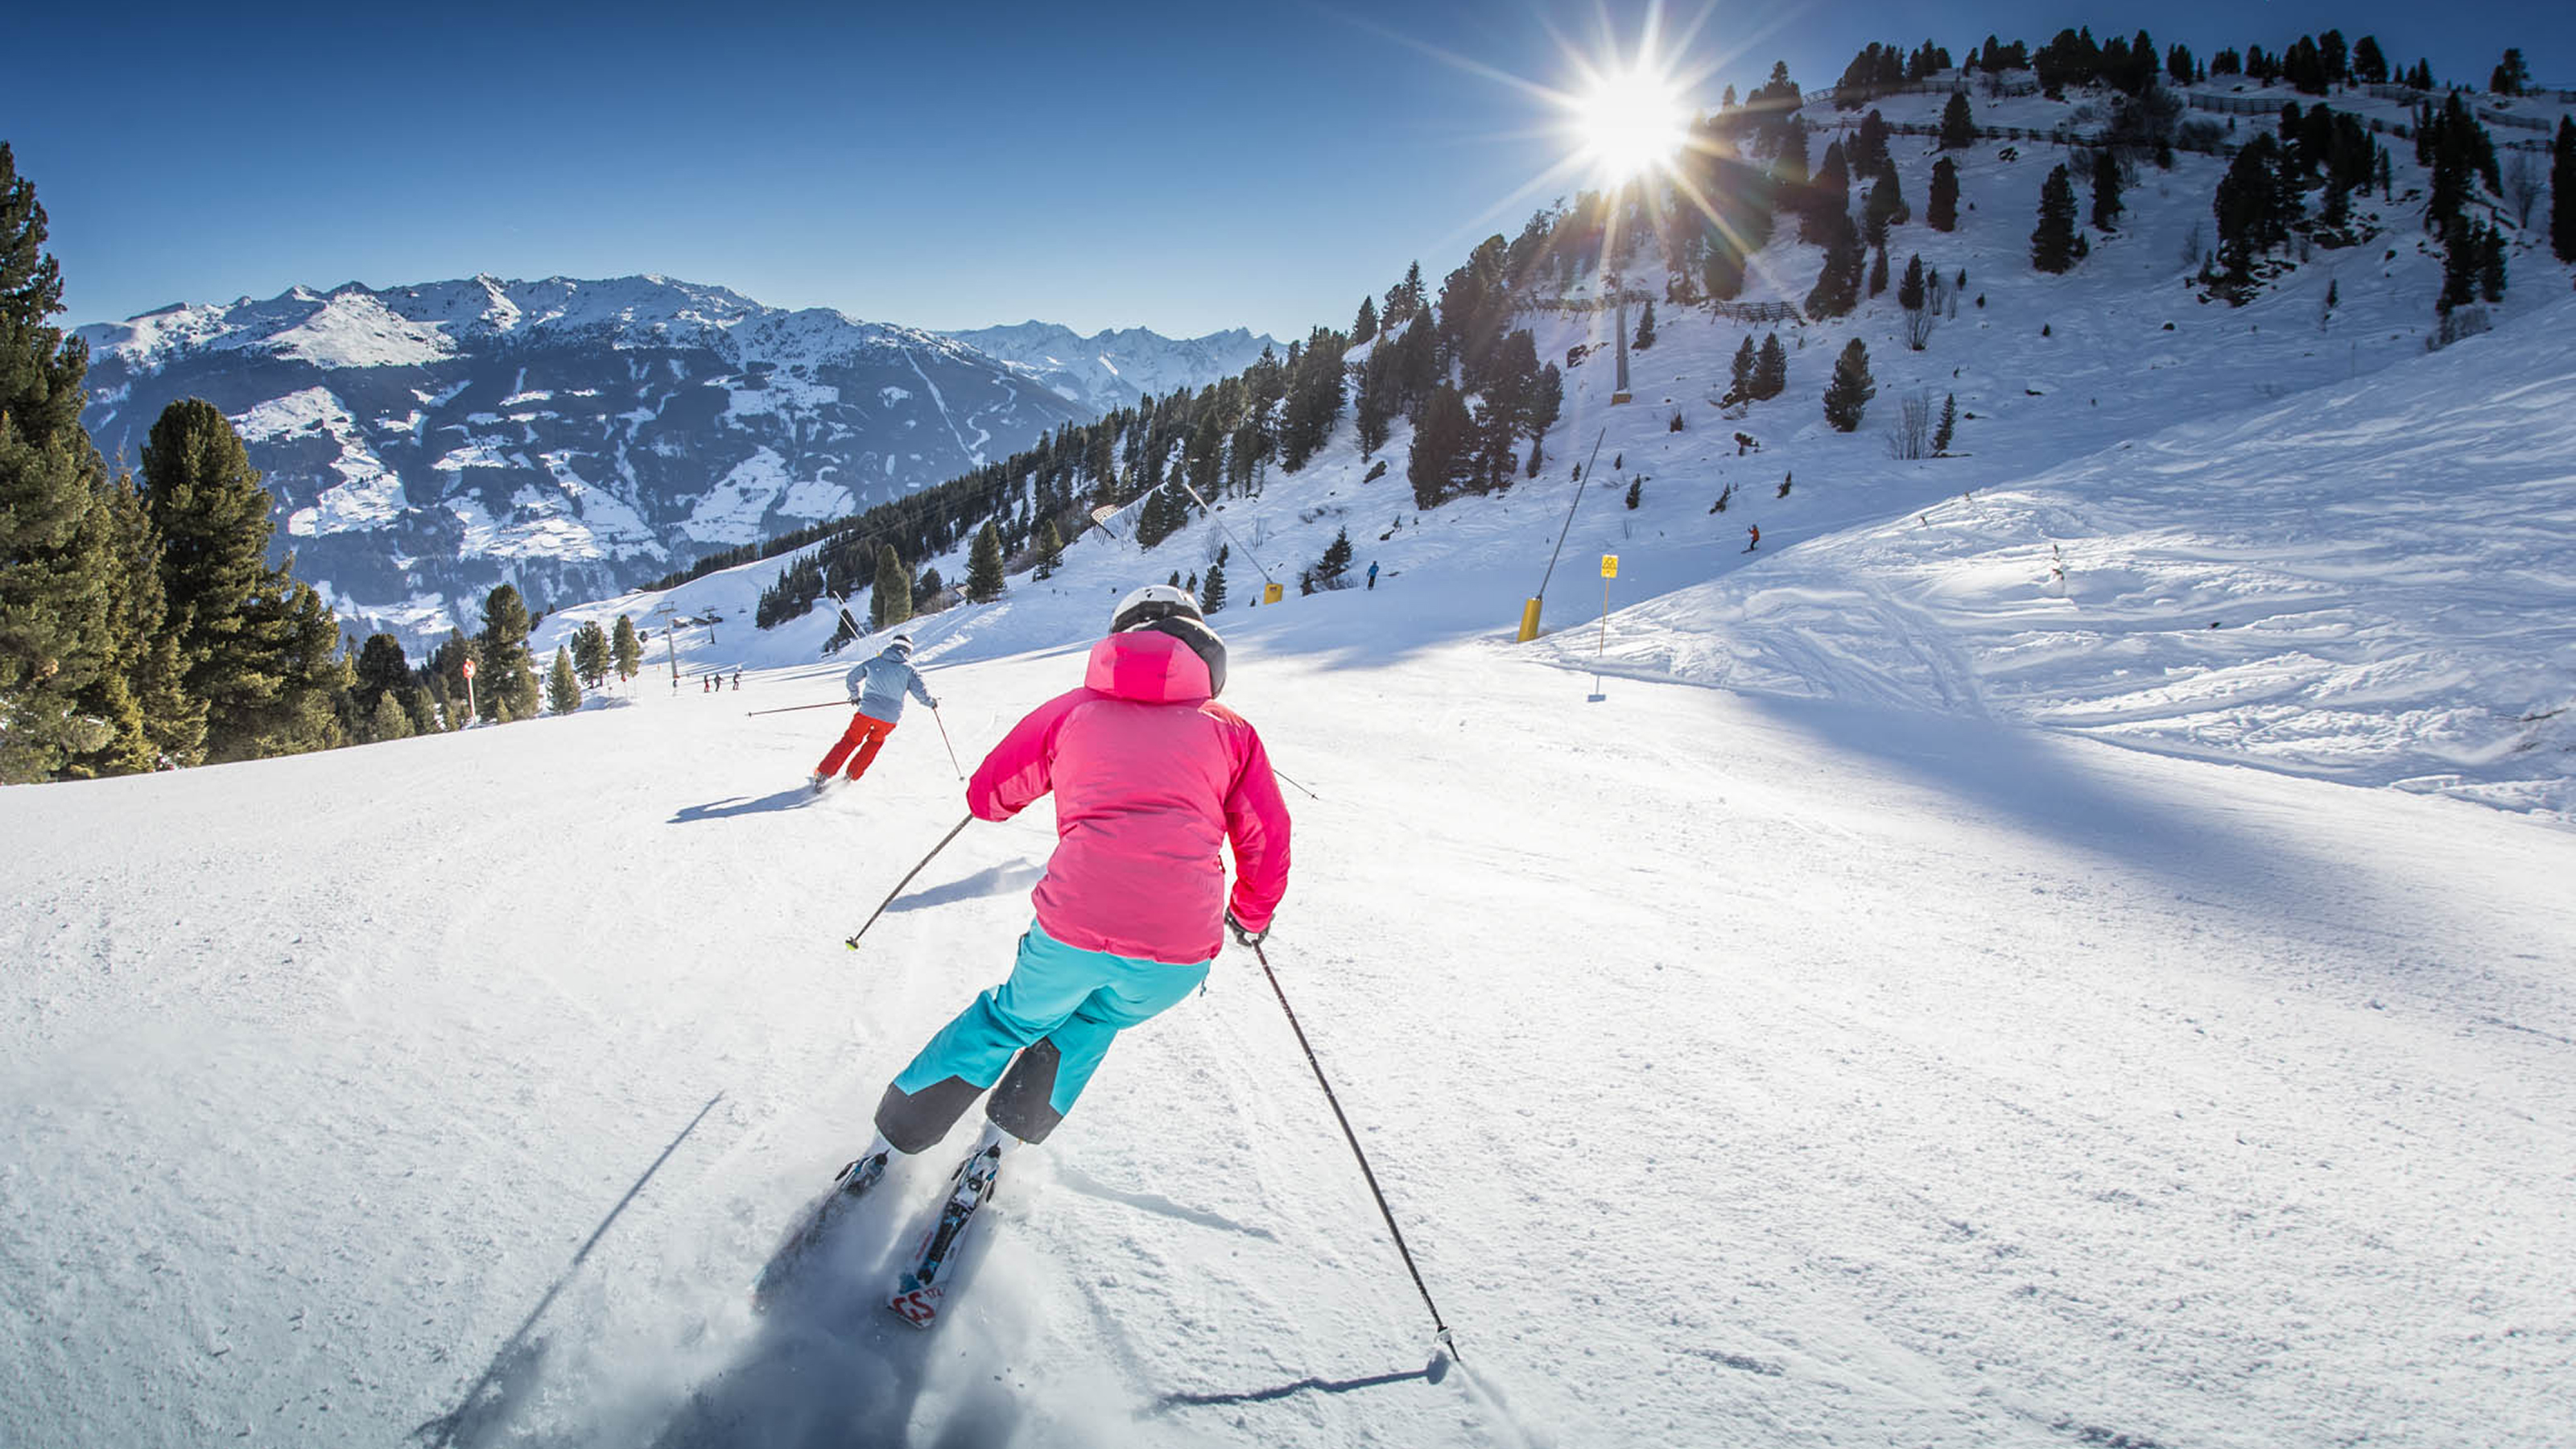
(1529, 621)
(1609, 571)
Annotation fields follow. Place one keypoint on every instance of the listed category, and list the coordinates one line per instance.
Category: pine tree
(1885, 207)
(2106, 190)
(1440, 448)
(256, 645)
(1828, 200)
(1910, 290)
(1739, 376)
(381, 669)
(54, 605)
(141, 692)
(984, 566)
(1404, 300)
(1050, 550)
(2511, 77)
(1948, 427)
(2491, 264)
(1212, 589)
(590, 654)
(626, 648)
(1848, 395)
(1878, 272)
(388, 721)
(2052, 242)
(1364, 326)
(563, 692)
(890, 602)
(1958, 124)
(2463, 253)
(306, 674)
(1941, 212)
(1771, 369)
(2562, 191)
(1645, 337)
(1337, 555)
(1636, 491)
(1837, 288)
(506, 684)
(2251, 205)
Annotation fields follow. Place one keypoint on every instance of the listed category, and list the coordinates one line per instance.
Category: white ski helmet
(1168, 610)
(1154, 601)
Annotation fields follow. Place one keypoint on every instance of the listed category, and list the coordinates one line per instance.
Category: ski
(921, 1292)
(852, 1183)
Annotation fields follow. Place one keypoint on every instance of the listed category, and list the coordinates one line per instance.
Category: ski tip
(918, 1305)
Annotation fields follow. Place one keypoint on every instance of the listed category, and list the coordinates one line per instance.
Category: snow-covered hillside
(2379, 534)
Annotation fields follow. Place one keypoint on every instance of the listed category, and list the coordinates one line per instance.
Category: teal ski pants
(1056, 1014)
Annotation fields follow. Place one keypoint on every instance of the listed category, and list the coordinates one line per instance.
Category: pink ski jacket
(1150, 775)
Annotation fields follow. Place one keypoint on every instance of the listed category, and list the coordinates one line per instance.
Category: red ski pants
(866, 734)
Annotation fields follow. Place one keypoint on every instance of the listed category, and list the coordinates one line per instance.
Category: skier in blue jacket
(877, 687)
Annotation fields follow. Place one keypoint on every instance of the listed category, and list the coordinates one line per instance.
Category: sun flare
(1630, 121)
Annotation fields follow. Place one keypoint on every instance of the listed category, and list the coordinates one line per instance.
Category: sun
(1627, 122)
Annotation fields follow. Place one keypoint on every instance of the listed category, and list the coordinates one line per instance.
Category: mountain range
(576, 438)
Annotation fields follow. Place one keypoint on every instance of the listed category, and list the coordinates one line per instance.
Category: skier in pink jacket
(1151, 775)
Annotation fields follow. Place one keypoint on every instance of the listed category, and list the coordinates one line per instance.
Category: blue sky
(1179, 166)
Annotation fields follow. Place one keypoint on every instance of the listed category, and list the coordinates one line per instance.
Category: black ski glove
(1245, 935)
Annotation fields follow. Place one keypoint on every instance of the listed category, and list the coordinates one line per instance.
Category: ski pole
(943, 739)
(1277, 772)
(1442, 1335)
(792, 708)
(853, 942)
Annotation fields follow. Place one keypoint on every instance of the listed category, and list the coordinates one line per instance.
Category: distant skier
(1754, 529)
(1150, 775)
(737, 679)
(1372, 583)
(877, 687)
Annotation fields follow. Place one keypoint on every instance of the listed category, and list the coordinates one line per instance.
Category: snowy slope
(2369, 583)
(1745, 1069)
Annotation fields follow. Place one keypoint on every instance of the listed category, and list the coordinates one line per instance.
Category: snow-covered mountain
(1111, 369)
(574, 437)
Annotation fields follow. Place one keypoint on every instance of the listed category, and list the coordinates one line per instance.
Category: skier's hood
(898, 651)
(1155, 665)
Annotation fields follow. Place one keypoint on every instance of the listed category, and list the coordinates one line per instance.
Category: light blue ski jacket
(878, 685)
